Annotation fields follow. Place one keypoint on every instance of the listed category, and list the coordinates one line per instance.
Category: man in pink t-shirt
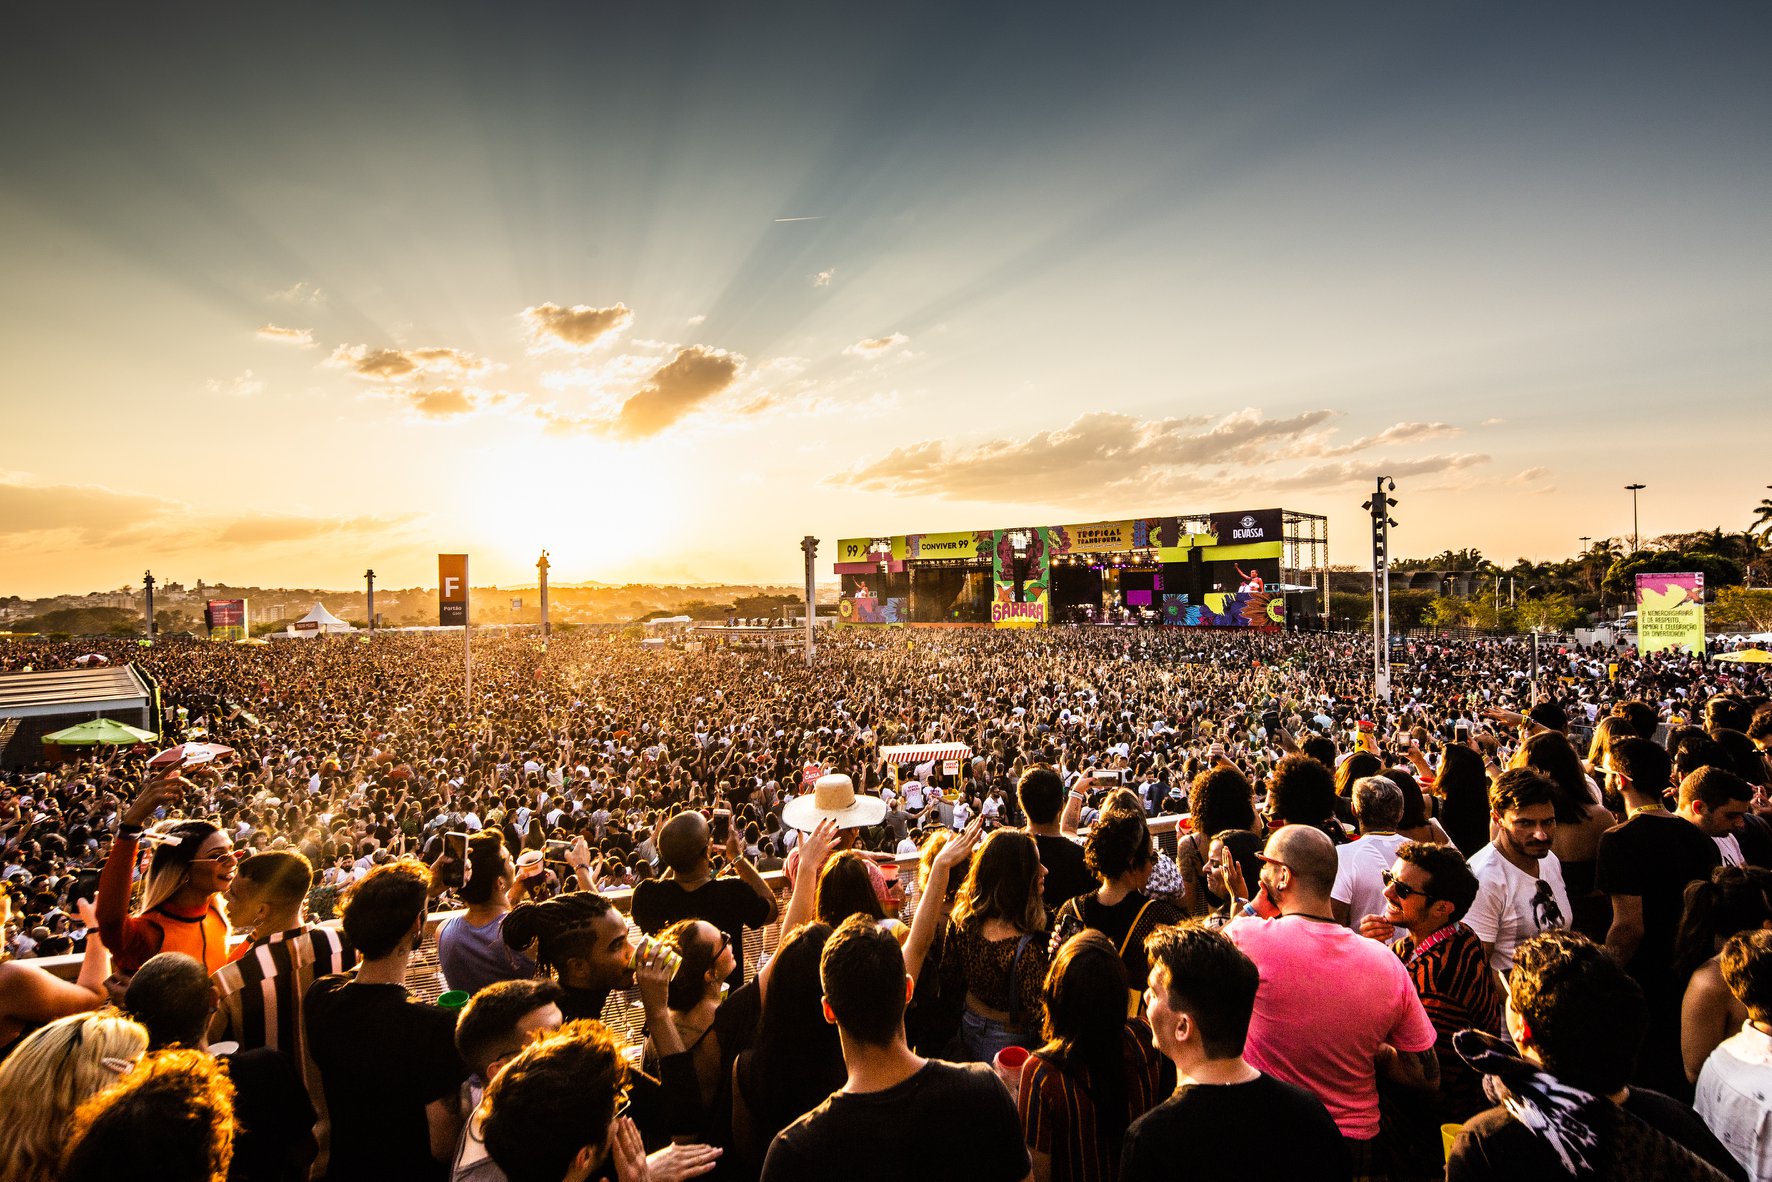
(1333, 1009)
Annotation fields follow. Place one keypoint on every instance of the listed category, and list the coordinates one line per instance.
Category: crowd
(1513, 922)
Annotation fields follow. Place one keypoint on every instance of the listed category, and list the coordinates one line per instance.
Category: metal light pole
(1380, 506)
(1636, 540)
(541, 571)
(148, 586)
(369, 577)
(809, 547)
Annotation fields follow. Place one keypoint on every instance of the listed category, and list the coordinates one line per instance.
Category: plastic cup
(1008, 1065)
(455, 999)
(1448, 1135)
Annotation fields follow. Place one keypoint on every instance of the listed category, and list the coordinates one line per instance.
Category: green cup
(455, 999)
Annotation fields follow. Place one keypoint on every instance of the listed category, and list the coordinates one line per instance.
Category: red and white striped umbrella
(189, 753)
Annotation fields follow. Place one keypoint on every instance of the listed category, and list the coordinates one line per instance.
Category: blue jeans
(981, 1037)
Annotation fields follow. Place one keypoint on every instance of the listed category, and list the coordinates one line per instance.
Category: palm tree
(1762, 519)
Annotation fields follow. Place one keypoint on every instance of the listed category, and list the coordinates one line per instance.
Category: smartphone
(1461, 731)
(555, 851)
(720, 829)
(1270, 721)
(456, 870)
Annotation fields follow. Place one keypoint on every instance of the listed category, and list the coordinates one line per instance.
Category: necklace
(1644, 808)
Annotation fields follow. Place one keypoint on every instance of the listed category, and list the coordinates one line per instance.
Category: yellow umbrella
(1748, 656)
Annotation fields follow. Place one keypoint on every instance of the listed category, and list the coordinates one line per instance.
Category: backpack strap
(1133, 930)
(1021, 946)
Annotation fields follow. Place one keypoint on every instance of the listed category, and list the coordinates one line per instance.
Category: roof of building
(65, 691)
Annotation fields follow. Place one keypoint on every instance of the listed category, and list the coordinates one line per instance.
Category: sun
(596, 507)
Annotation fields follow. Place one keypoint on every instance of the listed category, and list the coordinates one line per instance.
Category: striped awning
(924, 752)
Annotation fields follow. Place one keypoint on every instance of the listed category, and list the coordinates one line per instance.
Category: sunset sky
(291, 291)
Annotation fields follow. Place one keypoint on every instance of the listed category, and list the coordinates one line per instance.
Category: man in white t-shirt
(1718, 801)
(1520, 888)
(1737, 1078)
(1359, 877)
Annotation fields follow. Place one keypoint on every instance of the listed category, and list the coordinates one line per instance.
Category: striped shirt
(1058, 1113)
(261, 1002)
(1460, 992)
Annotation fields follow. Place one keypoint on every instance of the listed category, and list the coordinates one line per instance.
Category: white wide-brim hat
(833, 798)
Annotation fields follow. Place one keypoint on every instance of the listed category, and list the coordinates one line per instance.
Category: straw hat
(833, 797)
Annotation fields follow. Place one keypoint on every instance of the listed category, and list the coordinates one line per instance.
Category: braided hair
(555, 930)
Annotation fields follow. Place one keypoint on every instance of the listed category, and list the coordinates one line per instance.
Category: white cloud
(287, 336)
(823, 278)
(300, 293)
(877, 346)
(243, 386)
(697, 319)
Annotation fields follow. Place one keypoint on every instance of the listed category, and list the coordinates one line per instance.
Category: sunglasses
(231, 857)
(1405, 892)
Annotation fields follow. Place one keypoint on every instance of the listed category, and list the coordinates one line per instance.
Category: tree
(1738, 607)
(1763, 519)
(1718, 571)
(1558, 613)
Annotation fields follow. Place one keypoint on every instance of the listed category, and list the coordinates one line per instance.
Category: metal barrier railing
(623, 1014)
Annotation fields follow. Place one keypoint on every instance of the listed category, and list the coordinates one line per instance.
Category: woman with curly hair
(174, 1110)
(1220, 799)
(1119, 853)
(54, 1070)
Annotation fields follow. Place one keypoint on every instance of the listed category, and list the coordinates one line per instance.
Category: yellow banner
(863, 549)
(1096, 537)
(954, 544)
(1241, 553)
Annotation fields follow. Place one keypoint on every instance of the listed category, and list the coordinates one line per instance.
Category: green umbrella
(100, 730)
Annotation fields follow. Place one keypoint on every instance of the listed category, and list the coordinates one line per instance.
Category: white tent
(318, 621)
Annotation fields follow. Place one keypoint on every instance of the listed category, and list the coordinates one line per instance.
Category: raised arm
(929, 909)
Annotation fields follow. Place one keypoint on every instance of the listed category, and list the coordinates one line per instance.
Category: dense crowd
(1504, 924)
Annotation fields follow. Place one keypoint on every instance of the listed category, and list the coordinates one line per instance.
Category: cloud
(275, 529)
(1326, 476)
(288, 336)
(578, 327)
(1401, 433)
(400, 365)
(823, 278)
(244, 386)
(1528, 475)
(300, 293)
(65, 516)
(1099, 450)
(693, 376)
(875, 346)
(442, 404)
(1492, 422)
(700, 318)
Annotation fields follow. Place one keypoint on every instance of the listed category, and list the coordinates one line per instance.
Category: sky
(294, 291)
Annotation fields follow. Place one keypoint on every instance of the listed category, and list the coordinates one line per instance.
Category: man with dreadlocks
(583, 941)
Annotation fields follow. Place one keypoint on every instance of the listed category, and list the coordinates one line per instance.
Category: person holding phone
(191, 870)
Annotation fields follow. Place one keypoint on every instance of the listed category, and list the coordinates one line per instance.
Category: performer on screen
(1252, 581)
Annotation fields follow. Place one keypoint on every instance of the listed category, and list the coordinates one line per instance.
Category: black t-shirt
(1066, 875)
(908, 1131)
(276, 1117)
(727, 903)
(383, 1056)
(1263, 1129)
(1655, 856)
(1495, 1145)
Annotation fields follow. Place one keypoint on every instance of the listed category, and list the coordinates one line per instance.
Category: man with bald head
(1333, 1009)
(689, 889)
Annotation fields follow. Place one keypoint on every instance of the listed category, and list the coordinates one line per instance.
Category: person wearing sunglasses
(1427, 891)
(191, 869)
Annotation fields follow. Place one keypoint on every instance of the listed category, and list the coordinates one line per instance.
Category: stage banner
(1670, 612)
(1245, 528)
(855, 555)
(1222, 609)
(452, 590)
(1021, 571)
(227, 619)
(958, 544)
(1097, 537)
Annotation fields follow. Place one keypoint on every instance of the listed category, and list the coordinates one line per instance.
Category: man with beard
(1520, 882)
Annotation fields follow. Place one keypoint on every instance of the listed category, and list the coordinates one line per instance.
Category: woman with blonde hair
(55, 1069)
(191, 869)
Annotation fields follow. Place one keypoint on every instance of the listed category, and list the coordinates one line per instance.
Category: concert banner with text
(1670, 612)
